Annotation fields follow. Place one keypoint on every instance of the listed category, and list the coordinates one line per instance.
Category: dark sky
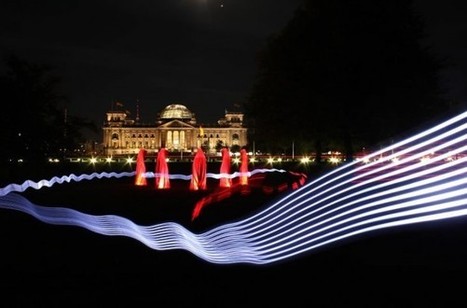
(446, 26)
(200, 53)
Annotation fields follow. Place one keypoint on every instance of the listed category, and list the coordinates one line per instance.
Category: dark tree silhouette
(33, 123)
(344, 74)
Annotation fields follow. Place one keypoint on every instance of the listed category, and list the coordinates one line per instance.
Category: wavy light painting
(420, 179)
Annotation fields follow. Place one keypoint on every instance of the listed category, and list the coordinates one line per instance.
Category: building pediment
(176, 124)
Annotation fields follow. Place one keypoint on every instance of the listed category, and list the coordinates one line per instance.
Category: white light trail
(420, 179)
(77, 178)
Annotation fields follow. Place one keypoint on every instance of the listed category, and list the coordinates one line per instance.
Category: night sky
(200, 53)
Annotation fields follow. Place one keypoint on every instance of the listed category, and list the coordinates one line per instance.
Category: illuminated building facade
(175, 129)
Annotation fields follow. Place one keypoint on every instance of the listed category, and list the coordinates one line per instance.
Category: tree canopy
(343, 75)
(34, 123)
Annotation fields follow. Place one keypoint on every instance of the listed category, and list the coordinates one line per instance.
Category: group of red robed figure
(198, 171)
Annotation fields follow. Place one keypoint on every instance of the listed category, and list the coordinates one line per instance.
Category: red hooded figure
(140, 176)
(225, 181)
(243, 167)
(162, 170)
(198, 174)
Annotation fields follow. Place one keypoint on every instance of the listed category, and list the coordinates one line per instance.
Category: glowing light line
(351, 200)
(342, 183)
(60, 180)
(307, 211)
(307, 233)
(72, 177)
(291, 235)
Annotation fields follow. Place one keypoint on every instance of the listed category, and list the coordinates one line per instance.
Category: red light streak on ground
(292, 181)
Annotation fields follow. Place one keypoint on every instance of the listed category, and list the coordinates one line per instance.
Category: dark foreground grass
(45, 265)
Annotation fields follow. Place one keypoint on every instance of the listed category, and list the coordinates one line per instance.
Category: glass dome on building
(176, 111)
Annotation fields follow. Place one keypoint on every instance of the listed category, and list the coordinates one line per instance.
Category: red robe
(225, 169)
(198, 171)
(140, 177)
(162, 170)
(243, 167)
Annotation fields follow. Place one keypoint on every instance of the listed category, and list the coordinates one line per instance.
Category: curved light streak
(77, 178)
(420, 179)
(60, 180)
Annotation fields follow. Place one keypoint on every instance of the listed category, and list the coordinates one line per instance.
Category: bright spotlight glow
(334, 160)
(366, 160)
(305, 160)
(93, 160)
